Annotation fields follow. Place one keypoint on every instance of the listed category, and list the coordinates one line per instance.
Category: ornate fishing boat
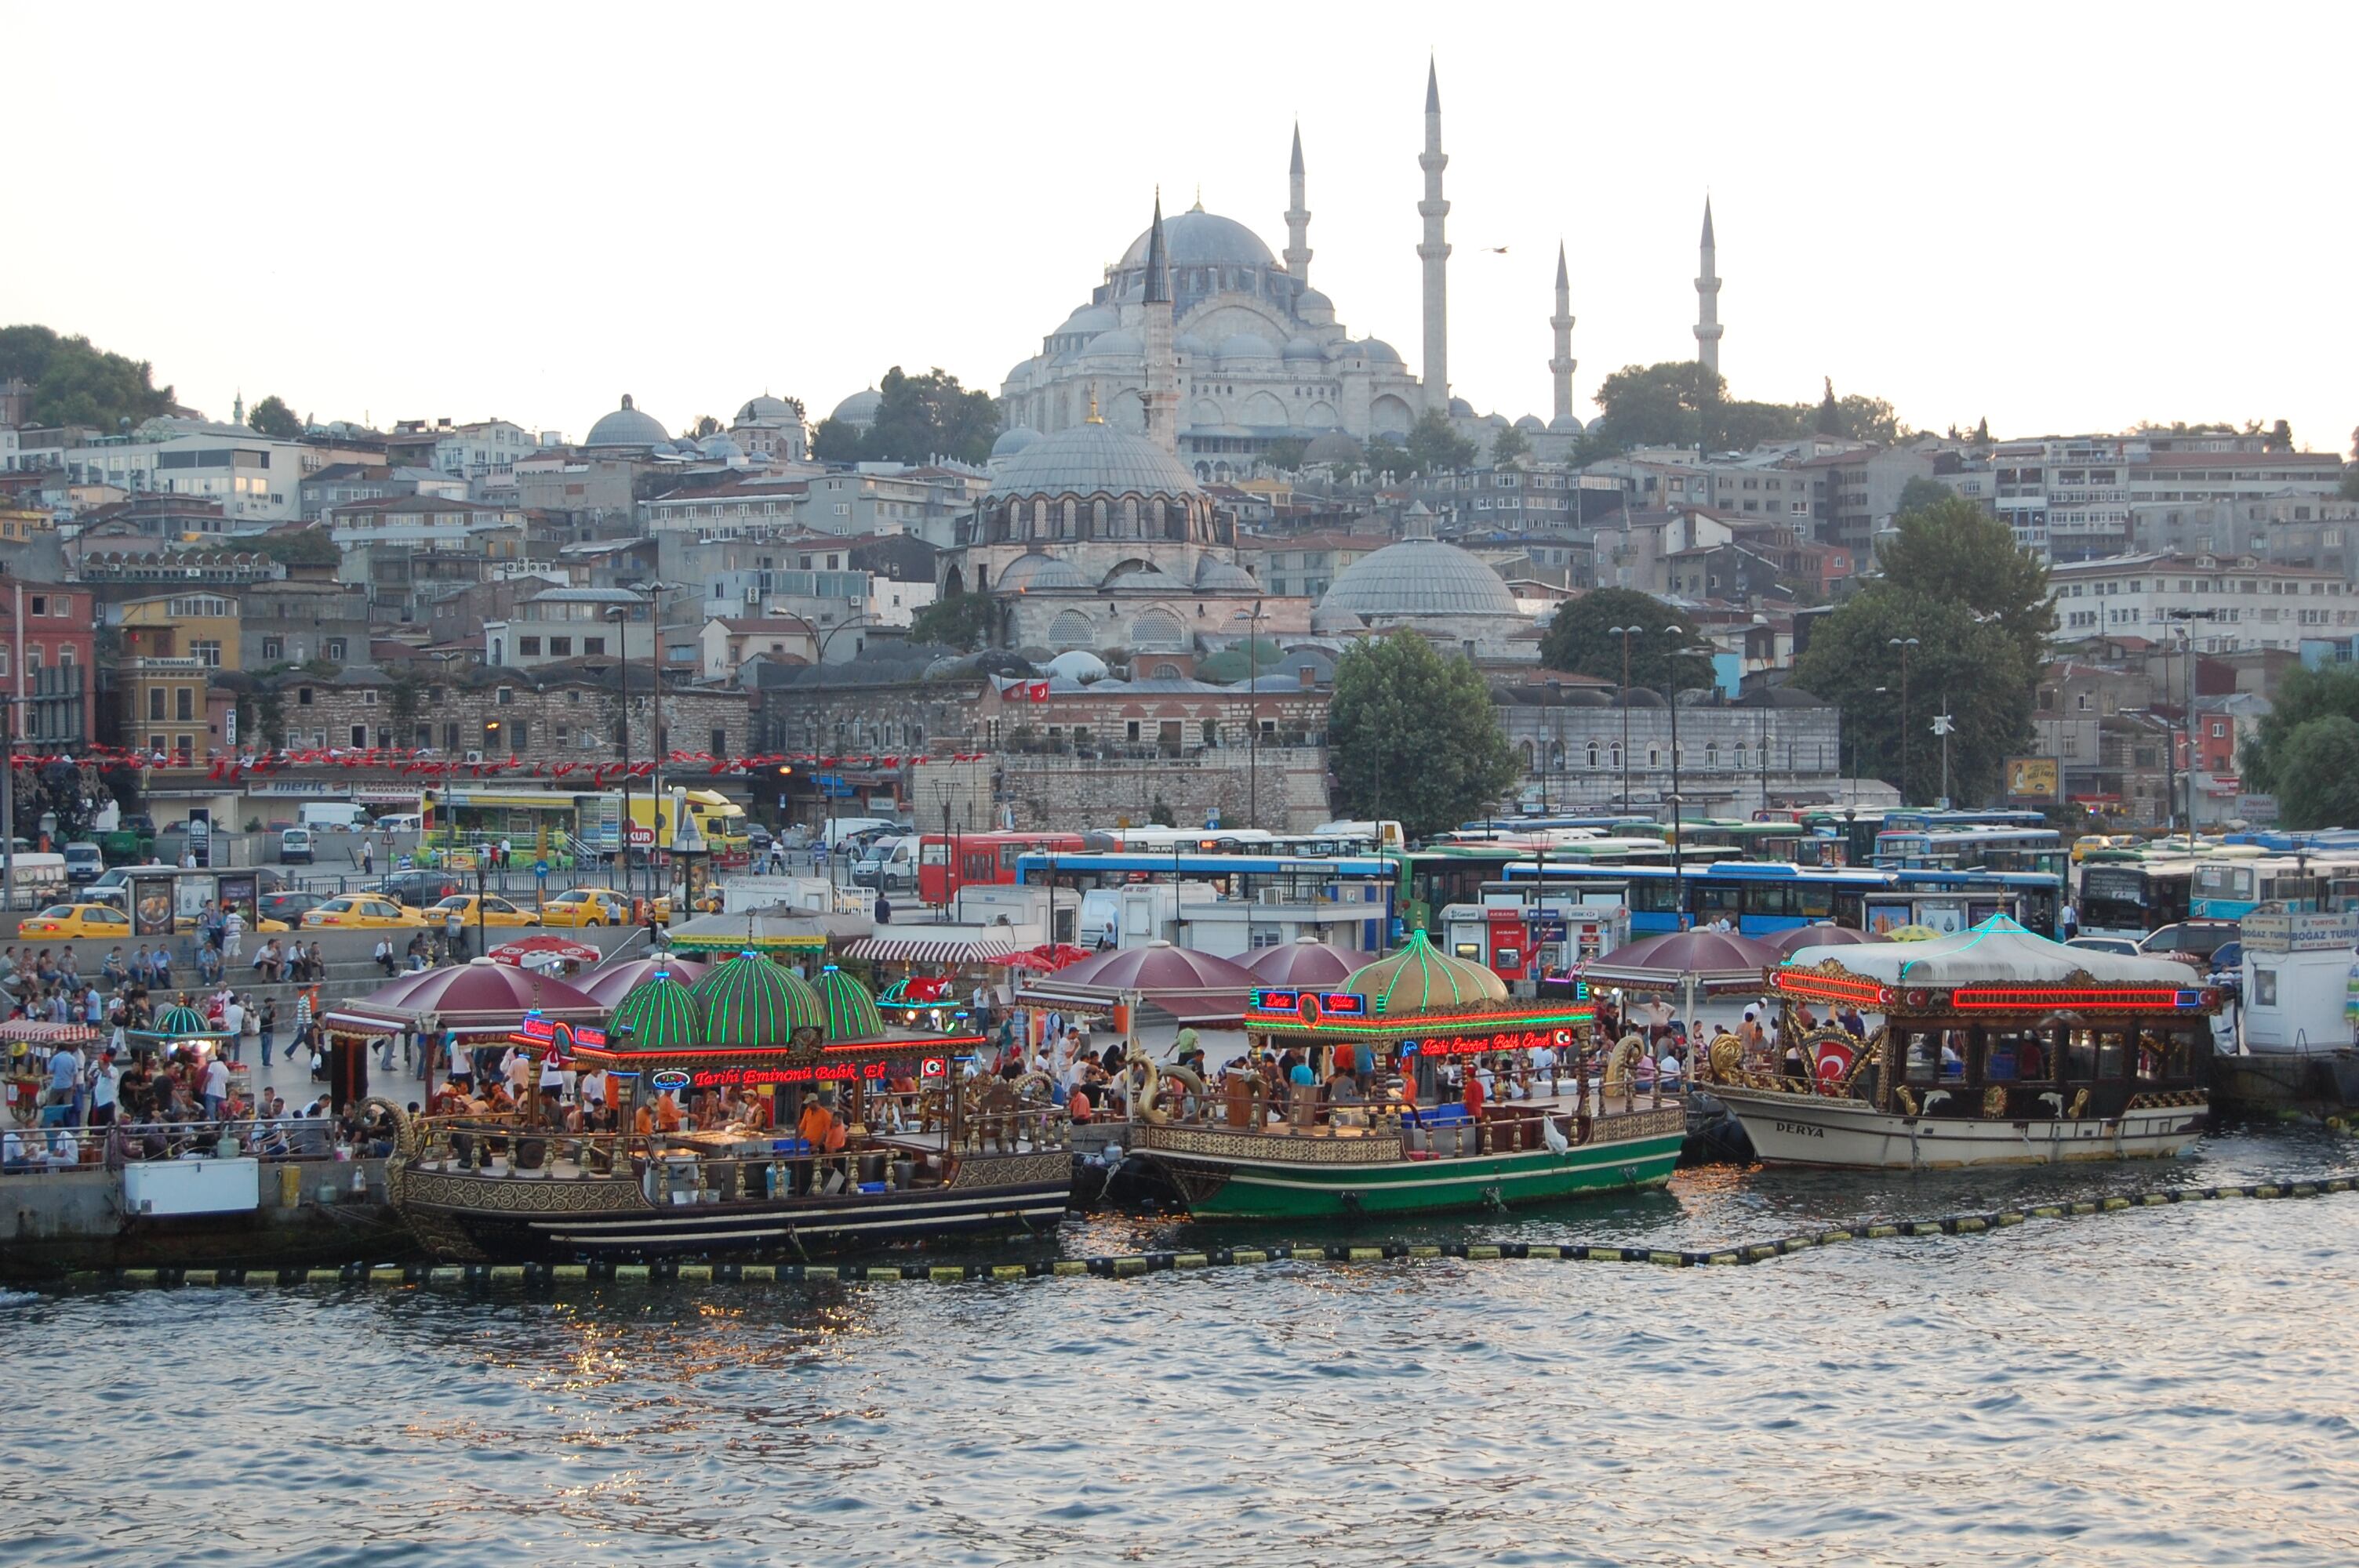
(1996, 1046)
(894, 1162)
(1245, 1152)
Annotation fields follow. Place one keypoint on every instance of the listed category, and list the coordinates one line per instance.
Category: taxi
(102, 920)
(496, 910)
(587, 906)
(356, 911)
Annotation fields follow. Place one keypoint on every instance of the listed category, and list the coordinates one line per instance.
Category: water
(2168, 1386)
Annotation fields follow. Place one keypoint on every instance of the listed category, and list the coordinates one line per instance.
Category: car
(85, 862)
(496, 910)
(419, 889)
(290, 907)
(2123, 945)
(358, 910)
(295, 846)
(2191, 942)
(587, 906)
(758, 838)
(69, 920)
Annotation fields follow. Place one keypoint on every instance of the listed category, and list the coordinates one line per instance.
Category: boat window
(2015, 1055)
(1924, 1062)
(2113, 1054)
(2081, 1055)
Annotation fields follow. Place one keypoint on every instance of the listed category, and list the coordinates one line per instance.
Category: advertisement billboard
(2035, 779)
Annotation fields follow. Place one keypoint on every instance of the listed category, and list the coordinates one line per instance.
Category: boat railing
(42, 1150)
(1246, 1103)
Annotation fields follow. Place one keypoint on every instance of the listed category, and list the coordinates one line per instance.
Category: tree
(1436, 447)
(405, 699)
(1581, 640)
(2317, 773)
(1239, 660)
(1865, 418)
(706, 425)
(74, 383)
(59, 788)
(1657, 406)
(1983, 670)
(1830, 420)
(2350, 489)
(271, 716)
(1920, 493)
(1509, 445)
(305, 547)
(1386, 457)
(961, 621)
(1415, 736)
(1284, 454)
(271, 416)
(919, 417)
(2304, 696)
(1982, 431)
(1951, 550)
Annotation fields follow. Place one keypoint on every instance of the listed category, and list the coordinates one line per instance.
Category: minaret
(1707, 327)
(1435, 253)
(1162, 390)
(1560, 367)
(1298, 218)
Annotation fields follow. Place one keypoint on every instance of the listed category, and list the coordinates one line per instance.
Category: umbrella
(545, 948)
(1820, 936)
(1047, 958)
(1912, 933)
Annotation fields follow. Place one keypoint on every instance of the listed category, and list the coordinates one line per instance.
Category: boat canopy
(1997, 951)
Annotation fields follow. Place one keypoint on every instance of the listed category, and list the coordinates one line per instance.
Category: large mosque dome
(1198, 238)
(626, 426)
(1092, 459)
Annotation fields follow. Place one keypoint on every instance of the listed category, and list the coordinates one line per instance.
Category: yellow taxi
(357, 910)
(102, 920)
(496, 910)
(587, 906)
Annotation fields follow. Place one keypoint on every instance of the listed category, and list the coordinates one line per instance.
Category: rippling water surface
(2170, 1386)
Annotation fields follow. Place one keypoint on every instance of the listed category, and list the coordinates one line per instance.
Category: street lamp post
(819, 662)
(2186, 679)
(1625, 633)
(620, 614)
(1679, 868)
(1904, 644)
(1253, 735)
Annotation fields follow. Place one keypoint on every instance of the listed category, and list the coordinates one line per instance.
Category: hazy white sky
(2062, 217)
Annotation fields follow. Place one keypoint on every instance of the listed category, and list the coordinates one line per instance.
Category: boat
(2291, 1047)
(922, 1150)
(1244, 1149)
(1996, 1046)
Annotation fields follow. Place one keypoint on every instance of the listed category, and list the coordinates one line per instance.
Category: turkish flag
(1038, 691)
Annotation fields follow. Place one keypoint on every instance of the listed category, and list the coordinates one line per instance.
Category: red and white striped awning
(931, 949)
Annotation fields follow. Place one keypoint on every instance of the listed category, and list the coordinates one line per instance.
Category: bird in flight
(1495, 250)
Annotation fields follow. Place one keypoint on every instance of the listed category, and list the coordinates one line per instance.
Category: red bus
(949, 861)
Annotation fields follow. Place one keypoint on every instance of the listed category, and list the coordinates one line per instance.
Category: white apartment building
(422, 522)
(2070, 498)
(572, 623)
(484, 452)
(2239, 602)
(256, 480)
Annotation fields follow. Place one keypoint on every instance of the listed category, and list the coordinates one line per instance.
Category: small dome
(1122, 340)
(766, 410)
(1311, 302)
(1303, 348)
(1420, 977)
(1333, 447)
(720, 448)
(1530, 423)
(658, 1014)
(1461, 409)
(1021, 375)
(1245, 346)
(1078, 665)
(1377, 349)
(1090, 320)
(850, 1011)
(1013, 440)
(860, 408)
(1338, 621)
(1217, 576)
(1198, 238)
(626, 426)
(1189, 343)
(1094, 458)
(1420, 578)
(1564, 425)
(1638, 697)
(1131, 577)
(751, 1002)
(1035, 572)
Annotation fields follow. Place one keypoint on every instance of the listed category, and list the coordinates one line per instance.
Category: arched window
(1129, 517)
(1711, 754)
(1593, 755)
(1160, 507)
(1524, 753)
(1654, 756)
(1744, 756)
(1041, 517)
(1556, 756)
(1616, 751)
(1072, 517)
(1097, 520)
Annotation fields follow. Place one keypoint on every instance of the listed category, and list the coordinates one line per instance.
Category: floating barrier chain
(1128, 1265)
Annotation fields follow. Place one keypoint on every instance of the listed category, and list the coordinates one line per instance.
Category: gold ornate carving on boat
(520, 1194)
(1272, 1147)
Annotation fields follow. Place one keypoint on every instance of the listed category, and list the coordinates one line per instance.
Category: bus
(949, 861)
(1973, 848)
(1442, 874)
(2231, 890)
(1760, 899)
(1754, 840)
(1236, 902)
(583, 826)
(2129, 894)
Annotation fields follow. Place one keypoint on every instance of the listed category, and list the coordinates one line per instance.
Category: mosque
(1256, 353)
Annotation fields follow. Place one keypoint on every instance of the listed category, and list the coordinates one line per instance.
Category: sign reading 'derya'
(1310, 1006)
(820, 1073)
(535, 1030)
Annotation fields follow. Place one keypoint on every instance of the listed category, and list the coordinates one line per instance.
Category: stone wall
(1054, 792)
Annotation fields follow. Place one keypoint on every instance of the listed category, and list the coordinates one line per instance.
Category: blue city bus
(2307, 884)
(1761, 899)
(1338, 889)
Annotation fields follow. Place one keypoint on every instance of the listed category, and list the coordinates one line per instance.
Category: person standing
(234, 1021)
(455, 927)
(216, 1089)
(368, 857)
(232, 932)
(105, 1089)
(269, 1026)
(2068, 922)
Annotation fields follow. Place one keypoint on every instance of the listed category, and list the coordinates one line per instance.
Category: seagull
(1554, 1136)
(1494, 250)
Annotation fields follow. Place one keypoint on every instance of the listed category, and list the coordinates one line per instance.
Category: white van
(839, 828)
(333, 817)
(890, 864)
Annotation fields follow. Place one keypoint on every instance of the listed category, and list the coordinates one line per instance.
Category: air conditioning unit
(474, 756)
(753, 596)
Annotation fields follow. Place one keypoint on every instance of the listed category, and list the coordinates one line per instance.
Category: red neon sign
(1830, 987)
(747, 1077)
(1986, 999)
(1504, 1040)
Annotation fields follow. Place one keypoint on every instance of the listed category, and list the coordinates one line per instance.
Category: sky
(2062, 217)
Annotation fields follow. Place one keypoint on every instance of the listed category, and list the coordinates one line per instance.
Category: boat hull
(468, 1216)
(1814, 1129)
(1223, 1174)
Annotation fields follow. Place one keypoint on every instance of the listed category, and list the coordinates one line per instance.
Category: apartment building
(2228, 603)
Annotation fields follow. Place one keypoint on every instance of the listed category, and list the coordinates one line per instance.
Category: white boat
(2292, 1043)
(1996, 1047)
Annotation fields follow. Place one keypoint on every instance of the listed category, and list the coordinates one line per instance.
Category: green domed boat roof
(184, 1020)
(1421, 977)
(660, 1014)
(850, 1011)
(750, 1001)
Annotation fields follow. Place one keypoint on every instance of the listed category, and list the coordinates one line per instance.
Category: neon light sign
(2080, 999)
(1831, 987)
(820, 1073)
(1292, 1022)
(1503, 1040)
